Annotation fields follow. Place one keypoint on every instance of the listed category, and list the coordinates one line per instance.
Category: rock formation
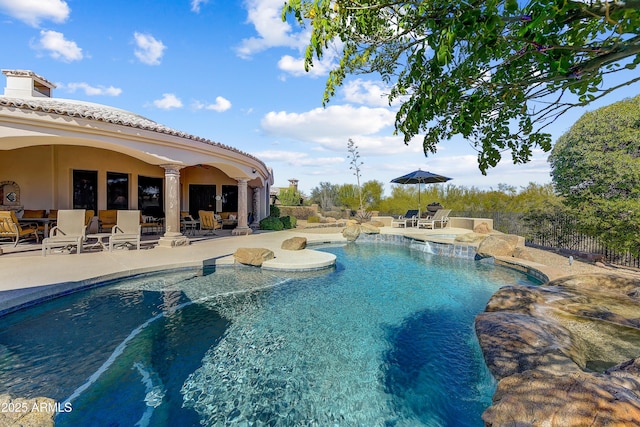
(38, 412)
(294, 244)
(566, 353)
(253, 256)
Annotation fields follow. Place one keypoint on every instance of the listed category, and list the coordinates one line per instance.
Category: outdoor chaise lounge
(441, 216)
(408, 219)
(70, 231)
(10, 228)
(126, 231)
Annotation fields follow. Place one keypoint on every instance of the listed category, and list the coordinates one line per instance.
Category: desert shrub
(271, 223)
(288, 222)
(300, 212)
(333, 214)
(313, 219)
(274, 211)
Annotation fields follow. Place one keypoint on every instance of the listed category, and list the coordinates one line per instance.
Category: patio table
(44, 221)
(102, 240)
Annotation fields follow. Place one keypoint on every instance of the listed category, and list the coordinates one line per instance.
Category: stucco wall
(44, 174)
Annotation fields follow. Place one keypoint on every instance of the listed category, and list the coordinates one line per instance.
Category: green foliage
(288, 222)
(355, 163)
(289, 197)
(274, 211)
(495, 72)
(325, 195)
(271, 223)
(596, 167)
(314, 219)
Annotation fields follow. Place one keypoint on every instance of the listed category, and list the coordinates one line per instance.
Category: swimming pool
(385, 338)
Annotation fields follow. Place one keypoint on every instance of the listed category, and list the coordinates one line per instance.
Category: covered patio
(67, 154)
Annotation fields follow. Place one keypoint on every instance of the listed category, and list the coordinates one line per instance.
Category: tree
(596, 167)
(496, 72)
(325, 195)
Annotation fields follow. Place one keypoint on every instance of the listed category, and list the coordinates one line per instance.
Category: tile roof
(103, 113)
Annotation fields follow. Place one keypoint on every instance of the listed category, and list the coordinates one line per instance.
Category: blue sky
(231, 71)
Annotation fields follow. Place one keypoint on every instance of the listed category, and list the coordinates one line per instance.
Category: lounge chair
(441, 216)
(127, 230)
(408, 219)
(10, 227)
(208, 221)
(70, 231)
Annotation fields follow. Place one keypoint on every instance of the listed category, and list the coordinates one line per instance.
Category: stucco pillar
(243, 212)
(256, 208)
(172, 236)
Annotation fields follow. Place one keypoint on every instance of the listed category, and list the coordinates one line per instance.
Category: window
(150, 200)
(229, 198)
(117, 190)
(85, 190)
(201, 197)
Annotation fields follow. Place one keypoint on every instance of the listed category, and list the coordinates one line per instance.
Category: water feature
(385, 338)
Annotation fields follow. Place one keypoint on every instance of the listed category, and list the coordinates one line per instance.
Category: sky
(232, 72)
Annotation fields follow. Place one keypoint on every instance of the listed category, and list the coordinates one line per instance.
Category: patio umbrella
(420, 177)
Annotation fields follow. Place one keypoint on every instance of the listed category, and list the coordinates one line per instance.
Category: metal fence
(558, 232)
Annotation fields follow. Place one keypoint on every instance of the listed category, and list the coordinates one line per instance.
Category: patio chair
(441, 216)
(10, 227)
(127, 230)
(69, 231)
(208, 221)
(406, 220)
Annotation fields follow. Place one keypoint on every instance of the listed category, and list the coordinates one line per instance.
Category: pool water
(384, 339)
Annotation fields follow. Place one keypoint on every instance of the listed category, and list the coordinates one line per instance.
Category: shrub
(313, 219)
(288, 222)
(274, 211)
(271, 223)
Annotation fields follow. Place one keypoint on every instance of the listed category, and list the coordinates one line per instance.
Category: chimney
(27, 84)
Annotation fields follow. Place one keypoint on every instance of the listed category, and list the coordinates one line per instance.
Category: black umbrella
(420, 177)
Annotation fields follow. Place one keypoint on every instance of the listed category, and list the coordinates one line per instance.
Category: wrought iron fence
(558, 231)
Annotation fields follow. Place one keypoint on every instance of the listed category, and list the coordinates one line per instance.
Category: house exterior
(67, 154)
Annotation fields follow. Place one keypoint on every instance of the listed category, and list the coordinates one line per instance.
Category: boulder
(253, 256)
(470, 238)
(294, 244)
(368, 228)
(521, 252)
(566, 353)
(500, 245)
(536, 398)
(36, 412)
(482, 228)
(376, 223)
(351, 232)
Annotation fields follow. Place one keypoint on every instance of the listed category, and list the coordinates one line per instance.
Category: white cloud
(298, 158)
(167, 102)
(195, 5)
(327, 124)
(265, 15)
(33, 12)
(58, 46)
(148, 50)
(366, 92)
(295, 66)
(221, 104)
(91, 90)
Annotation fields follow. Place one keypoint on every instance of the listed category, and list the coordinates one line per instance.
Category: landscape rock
(566, 353)
(294, 244)
(521, 252)
(19, 412)
(470, 238)
(368, 228)
(500, 245)
(482, 228)
(253, 256)
(376, 223)
(351, 232)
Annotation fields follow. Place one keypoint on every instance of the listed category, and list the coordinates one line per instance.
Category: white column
(172, 236)
(242, 227)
